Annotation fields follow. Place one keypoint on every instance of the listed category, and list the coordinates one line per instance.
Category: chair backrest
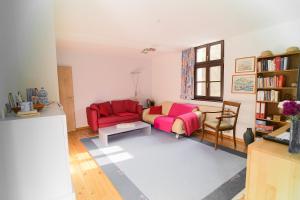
(235, 112)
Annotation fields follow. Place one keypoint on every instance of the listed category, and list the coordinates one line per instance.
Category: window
(209, 71)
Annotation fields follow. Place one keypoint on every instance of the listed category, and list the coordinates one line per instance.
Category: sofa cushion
(118, 106)
(105, 109)
(124, 114)
(155, 110)
(164, 123)
(95, 107)
(109, 119)
(223, 125)
(117, 119)
(166, 106)
(150, 118)
(132, 116)
(131, 106)
(181, 108)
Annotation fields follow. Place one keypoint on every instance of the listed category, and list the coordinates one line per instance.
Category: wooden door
(66, 95)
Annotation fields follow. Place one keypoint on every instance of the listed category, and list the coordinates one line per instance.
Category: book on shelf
(276, 64)
(261, 125)
(260, 110)
(257, 113)
(272, 95)
(272, 81)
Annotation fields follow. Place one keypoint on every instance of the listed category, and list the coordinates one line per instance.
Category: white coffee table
(105, 132)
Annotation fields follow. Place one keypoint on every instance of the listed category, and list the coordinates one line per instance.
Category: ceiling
(166, 24)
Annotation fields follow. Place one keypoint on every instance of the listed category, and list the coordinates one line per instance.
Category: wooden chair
(219, 124)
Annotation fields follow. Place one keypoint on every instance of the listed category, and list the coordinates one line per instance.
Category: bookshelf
(277, 78)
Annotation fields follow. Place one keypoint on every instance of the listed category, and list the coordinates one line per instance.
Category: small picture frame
(245, 65)
(277, 118)
(245, 84)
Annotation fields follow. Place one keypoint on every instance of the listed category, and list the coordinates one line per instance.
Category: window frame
(207, 64)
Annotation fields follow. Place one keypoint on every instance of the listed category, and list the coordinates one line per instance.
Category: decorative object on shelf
(16, 109)
(287, 96)
(292, 50)
(12, 103)
(150, 103)
(8, 108)
(11, 100)
(38, 106)
(266, 53)
(28, 113)
(19, 99)
(277, 118)
(248, 136)
(43, 96)
(243, 83)
(293, 84)
(3, 113)
(35, 100)
(32, 95)
(292, 110)
(26, 106)
(245, 65)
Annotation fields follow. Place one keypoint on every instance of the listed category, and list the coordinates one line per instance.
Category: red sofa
(111, 113)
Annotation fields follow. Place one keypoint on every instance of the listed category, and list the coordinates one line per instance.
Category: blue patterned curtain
(187, 74)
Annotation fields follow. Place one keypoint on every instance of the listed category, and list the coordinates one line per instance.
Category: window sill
(209, 100)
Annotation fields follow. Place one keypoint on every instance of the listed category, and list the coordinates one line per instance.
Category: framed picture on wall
(243, 83)
(245, 65)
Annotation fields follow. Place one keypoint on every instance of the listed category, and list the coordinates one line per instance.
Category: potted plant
(291, 109)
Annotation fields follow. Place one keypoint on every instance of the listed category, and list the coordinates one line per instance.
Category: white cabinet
(34, 157)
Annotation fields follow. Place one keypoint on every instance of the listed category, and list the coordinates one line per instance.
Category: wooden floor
(89, 181)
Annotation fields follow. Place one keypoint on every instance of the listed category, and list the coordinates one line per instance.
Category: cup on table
(26, 106)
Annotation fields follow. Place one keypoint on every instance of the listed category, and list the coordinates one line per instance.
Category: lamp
(135, 77)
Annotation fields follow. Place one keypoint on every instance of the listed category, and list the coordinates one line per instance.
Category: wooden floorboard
(90, 182)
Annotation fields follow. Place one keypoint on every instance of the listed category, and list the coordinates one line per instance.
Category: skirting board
(82, 128)
(199, 132)
(239, 140)
(79, 129)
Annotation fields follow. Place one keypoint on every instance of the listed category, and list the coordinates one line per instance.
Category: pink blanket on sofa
(180, 111)
(190, 121)
(180, 108)
(164, 123)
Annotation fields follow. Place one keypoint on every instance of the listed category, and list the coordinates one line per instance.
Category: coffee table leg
(147, 130)
(103, 138)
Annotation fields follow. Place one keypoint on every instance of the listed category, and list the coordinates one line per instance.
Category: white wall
(27, 47)
(102, 73)
(166, 68)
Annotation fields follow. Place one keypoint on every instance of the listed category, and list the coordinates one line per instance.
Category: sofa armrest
(146, 112)
(140, 110)
(92, 118)
(199, 115)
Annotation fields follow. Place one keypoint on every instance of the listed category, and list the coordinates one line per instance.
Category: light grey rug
(160, 167)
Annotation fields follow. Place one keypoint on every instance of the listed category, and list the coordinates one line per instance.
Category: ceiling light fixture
(147, 50)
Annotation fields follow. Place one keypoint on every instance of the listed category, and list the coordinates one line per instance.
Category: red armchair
(108, 114)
